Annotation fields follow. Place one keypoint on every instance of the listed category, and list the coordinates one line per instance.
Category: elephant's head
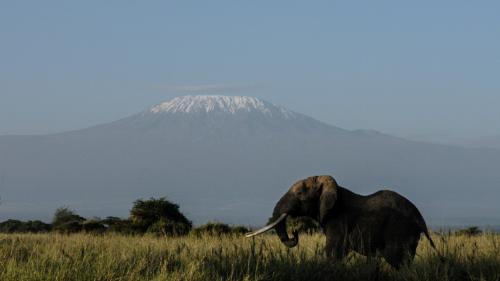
(313, 197)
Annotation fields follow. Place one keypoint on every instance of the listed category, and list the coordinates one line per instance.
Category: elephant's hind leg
(398, 254)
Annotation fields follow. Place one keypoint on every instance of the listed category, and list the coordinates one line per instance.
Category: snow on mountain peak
(224, 104)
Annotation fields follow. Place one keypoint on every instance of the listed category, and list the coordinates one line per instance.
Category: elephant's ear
(328, 197)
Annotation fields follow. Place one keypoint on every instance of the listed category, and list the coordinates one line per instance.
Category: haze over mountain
(486, 141)
(231, 158)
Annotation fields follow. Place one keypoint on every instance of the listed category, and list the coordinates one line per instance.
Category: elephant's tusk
(267, 227)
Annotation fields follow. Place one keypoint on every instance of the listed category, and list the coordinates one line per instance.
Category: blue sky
(420, 69)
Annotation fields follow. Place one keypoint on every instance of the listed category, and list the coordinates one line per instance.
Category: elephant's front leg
(336, 246)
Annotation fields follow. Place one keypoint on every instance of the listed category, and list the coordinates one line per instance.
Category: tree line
(155, 216)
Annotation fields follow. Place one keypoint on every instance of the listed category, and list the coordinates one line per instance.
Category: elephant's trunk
(283, 235)
(282, 207)
(281, 211)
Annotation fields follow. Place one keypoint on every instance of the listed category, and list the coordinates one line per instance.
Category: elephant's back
(388, 199)
(395, 203)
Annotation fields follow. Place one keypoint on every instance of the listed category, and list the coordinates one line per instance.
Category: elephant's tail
(419, 219)
(426, 233)
(425, 230)
(440, 255)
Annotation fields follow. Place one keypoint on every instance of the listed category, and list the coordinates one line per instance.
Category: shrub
(69, 227)
(212, 228)
(218, 229)
(169, 228)
(93, 226)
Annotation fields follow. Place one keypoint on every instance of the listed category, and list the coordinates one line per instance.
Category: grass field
(115, 257)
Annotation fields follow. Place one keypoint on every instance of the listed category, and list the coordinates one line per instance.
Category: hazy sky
(423, 69)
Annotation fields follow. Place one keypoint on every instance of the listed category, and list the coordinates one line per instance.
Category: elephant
(381, 224)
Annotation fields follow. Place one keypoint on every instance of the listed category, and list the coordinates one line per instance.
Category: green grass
(116, 257)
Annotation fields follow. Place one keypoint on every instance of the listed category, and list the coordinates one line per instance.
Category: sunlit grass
(117, 257)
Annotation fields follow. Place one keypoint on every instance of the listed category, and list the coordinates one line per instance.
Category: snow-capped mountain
(221, 105)
(215, 118)
(231, 158)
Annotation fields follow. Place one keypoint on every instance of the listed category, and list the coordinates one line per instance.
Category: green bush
(212, 228)
(38, 226)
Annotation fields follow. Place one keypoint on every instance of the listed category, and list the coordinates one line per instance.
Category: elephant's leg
(394, 254)
(398, 254)
(411, 249)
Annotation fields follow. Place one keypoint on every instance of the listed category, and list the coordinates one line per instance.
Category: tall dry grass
(116, 257)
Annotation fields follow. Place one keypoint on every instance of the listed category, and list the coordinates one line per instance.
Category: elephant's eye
(301, 190)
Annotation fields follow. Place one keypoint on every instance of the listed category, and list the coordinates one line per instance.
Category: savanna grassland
(117, 257)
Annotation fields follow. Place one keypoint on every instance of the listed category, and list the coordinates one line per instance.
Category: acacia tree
(66, 220)
(159, 216)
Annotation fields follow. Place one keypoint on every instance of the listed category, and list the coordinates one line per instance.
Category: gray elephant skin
(381, 224)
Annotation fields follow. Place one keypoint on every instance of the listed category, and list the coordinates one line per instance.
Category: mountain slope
(231, 158)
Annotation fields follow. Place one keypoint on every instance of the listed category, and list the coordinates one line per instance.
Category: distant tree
(469, 231)
(166, 215)
(67, 221)
(64, 215)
